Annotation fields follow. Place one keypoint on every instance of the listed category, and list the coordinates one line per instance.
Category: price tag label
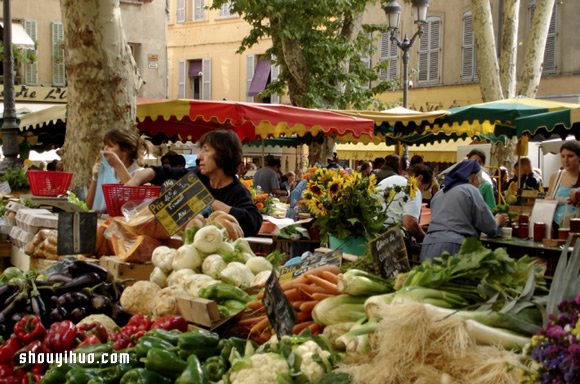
(390, 253)
(180, 203)
(314, 261)
(280, 313)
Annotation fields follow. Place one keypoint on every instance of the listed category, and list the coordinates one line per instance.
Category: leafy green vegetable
(16, 178)
(72, 198)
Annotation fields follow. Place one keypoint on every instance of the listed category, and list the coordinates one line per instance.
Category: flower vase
(356, 245)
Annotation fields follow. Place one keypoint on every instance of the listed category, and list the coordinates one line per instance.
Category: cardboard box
(202, 312)
(122, 270)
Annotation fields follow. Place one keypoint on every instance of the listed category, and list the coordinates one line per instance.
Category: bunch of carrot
(303, 293)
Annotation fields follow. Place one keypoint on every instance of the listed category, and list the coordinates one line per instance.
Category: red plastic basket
(118, 194)
(49, 183)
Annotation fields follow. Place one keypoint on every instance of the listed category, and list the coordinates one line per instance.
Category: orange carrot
(259, 326)
(329, 268)
(297, 304)
(315, 328)
(251, 321)
(327, 275)
(260, 295)
(295, 294)
(289, 284)
(307, 306)
(321, 296)
(327, 285)
(309, 289)
(301, 327)
(303, 316)
(256, 304)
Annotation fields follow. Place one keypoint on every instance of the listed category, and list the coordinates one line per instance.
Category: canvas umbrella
(544, 125)
(192, 118)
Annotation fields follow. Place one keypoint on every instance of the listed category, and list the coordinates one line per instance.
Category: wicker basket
(117, 194)
(49, 183)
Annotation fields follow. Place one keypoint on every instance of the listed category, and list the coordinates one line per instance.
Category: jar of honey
(539, 232)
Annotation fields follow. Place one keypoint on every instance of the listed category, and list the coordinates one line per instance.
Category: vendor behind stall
(220, 156)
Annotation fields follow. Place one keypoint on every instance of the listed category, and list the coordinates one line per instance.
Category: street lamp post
(393, 12)
(9, 125)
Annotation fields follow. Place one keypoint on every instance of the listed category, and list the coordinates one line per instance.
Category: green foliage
(319, 55)
(16, 178)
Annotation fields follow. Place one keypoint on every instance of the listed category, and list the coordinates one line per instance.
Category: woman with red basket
(122, 155)
(219, 158)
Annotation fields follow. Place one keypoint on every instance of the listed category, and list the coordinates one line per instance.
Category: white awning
(19, 36)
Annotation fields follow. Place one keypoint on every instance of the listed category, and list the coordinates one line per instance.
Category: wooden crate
(203, 313)
(122, 270)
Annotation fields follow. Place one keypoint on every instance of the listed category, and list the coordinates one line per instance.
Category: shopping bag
(106, 176)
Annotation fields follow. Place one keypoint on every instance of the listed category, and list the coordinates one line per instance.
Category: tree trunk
(486, 52)
(509, 47)
(535, 45)
(102, 78)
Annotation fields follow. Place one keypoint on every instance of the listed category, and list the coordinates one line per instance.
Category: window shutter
(206, 79)
(250, 67)
(180, 11)
(58, 68)
(31, 69)
(389, 53)
(199, 11)
(181, 79)
(430, 51)
(226, 10)
(468, 65)
(274, 73)
(550, 50)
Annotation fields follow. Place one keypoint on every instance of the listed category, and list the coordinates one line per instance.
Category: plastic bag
(106, 176)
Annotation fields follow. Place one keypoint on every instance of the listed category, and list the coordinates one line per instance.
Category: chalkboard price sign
(280, 313)
(180, 203)
(389, 252)
(314, 261)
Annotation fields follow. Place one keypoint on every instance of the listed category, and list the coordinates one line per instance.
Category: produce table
(520, 247)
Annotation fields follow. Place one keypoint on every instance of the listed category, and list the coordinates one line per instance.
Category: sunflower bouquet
(344, 204)
(263, 201)
(397, 196)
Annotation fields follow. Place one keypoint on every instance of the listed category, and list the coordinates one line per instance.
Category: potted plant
(346, 206)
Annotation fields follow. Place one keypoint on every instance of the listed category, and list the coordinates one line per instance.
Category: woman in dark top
(219, 157)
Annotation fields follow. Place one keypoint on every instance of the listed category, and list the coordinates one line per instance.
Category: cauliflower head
(309, 365)
(140, 297)
(262, 368)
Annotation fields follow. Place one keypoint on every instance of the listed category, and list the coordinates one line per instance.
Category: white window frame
(31, 69)
(226, 11)
(198, 10)
(206, 79)
(181, 79)
(429, 53)
(180, 11)
(250, 68)
(58, 64)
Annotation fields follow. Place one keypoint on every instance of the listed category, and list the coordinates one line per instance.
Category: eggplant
(80, 268)
(17, 303)
(58, 314)
(78, 314)
(6, 291)
(16, 317)
(37, 304)
(65, 299)
(82, 281)
(101, 303)
(62, 278)
(119, 315)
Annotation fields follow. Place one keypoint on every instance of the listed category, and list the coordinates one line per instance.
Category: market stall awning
(395, 122)
(192, 118)
(543, 125)
(496, 118)
(44, 117)
(20, 38)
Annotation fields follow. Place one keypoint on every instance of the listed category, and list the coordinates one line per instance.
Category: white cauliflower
(140, 297)
(237, 274)
(162, 257)
(309, 367)
(195, 282)
(262, 368)
(179, 277)
(213, 265)
(167, 301)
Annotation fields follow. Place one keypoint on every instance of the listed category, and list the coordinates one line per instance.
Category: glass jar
(539, 232)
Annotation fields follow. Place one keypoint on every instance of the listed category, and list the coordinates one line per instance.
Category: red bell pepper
(8, 350)
(61, 336)
(169, 322)
(33, 349)
(120, 341)
(90, 340)
(95, 328)
(138, 322)
(6, 371)
(31, 378)
(29, 328)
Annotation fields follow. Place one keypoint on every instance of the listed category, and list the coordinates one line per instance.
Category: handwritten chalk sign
(390, 253)
(77, 233)
(180, 203)
(281, 315)
(316, 260)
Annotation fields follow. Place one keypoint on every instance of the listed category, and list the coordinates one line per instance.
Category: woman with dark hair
(563, 182)
(459, 211)
(220, 155)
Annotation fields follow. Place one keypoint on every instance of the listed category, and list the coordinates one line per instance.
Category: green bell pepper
(164, 362)
(234, 343)
(169, 336)
(199, 342)
(144, 376)
(214, 368)
(193, 374)
(81, 375)
(96, 351)
(223, 291)
(56, 374)
(145, 343)
(234, 306)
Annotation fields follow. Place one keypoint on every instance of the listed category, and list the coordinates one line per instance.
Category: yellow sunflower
(316, 207)
(413, 187)
(315, 188)
(335, 187)
(391, 196)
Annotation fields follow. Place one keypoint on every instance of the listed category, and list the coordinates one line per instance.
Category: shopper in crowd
(529, 178)
(166, 158)
(458, 211)
(563, 182)
(378, 164)
(391, 167)
(407, 214)
(486, 184)
(220, 155)
(122, 156)
(267, 178)
(289, 182)
(366, 168)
